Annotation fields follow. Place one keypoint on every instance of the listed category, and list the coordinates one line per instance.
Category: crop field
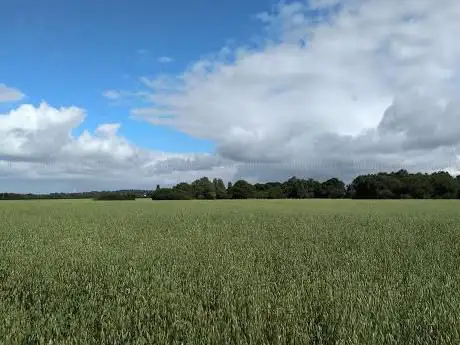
(230, 272)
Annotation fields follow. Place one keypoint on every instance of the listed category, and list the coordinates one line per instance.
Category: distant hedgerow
(115, 196)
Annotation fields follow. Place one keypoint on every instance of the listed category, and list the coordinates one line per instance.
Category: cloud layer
(336, 89)
(37, 145)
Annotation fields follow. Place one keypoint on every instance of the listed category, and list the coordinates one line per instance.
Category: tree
(185, 189)
(266, 190)
(403, 185)
(115, 196)
(295, 188)
(370, 187)
(242, 190)
(170, 194)
(204, 189)
(416, 186)
(275, 193)
(444, 185)
(219, 188)
(333, 188)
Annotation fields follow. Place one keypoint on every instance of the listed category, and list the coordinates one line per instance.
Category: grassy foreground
(230, 272)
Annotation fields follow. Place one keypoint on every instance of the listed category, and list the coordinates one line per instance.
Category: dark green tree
(185, 189)
(219, 188)
(275, 192)
(444, 185)
(333, 189)
(170, 194)
(242, 190)
(204, 189)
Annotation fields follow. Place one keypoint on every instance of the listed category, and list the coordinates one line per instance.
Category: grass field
(230, 272)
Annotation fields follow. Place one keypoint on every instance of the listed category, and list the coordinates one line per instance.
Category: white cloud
(119, 96)
(8, 94)
(362, 81)
(36, 144)
(112, 95)
(165, 59)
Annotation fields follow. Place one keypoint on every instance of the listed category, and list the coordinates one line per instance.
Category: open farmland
(221, 272)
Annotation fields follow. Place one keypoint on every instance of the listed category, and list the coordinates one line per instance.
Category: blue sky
(69, 52)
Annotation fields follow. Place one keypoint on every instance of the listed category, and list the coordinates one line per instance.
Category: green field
(230, 272)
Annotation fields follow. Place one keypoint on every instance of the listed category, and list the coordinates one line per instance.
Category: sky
(98, 95)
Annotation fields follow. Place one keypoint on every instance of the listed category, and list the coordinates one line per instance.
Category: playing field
(230, 272)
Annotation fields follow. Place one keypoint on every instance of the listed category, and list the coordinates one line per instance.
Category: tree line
(395, 185)
(95, 195)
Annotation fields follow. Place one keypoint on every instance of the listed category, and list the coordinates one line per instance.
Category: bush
(170, 194)
(116, 196)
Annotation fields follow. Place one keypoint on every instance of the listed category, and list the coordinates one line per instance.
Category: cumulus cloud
(337, 88)
(37, 144)
(9, 94)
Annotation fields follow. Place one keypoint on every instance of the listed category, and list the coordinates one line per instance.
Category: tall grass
(230, 272)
